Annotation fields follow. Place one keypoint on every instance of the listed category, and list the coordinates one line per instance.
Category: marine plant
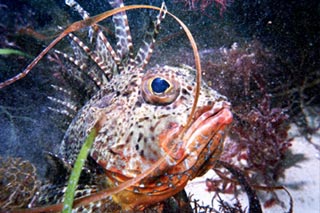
(204, 4)
(258, 140)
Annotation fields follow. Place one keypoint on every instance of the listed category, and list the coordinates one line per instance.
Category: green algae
(76, 171)
(7, 51)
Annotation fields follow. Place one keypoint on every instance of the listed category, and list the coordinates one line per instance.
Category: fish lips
(201, 139)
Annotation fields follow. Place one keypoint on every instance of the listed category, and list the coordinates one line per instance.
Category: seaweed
(76, 171)
(258, 140)
(202, 5)
(18, 183)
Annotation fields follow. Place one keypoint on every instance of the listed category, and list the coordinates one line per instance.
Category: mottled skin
(143, 126)
(132, 127)
(143, 122)
(137, 124)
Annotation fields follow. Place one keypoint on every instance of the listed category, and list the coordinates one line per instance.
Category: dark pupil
(159, 85)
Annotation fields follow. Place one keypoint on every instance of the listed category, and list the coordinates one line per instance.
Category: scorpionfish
(148, 117)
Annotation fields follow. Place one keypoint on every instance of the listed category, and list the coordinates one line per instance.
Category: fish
(150, 118)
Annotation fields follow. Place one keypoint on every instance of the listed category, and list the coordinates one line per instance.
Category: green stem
(7, 51)
(76, 171)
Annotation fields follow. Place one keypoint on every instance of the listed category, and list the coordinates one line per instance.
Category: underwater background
(263, 55)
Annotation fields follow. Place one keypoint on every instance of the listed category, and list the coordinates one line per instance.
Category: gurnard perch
(148, 116)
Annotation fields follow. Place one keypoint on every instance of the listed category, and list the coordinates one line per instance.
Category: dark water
(287, 34)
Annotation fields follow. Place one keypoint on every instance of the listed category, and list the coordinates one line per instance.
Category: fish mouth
(203, 139)
(206, 125)
(187, 154)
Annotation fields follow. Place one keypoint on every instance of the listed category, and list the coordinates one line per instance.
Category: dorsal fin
(108, 55)
(145, 51)
(82, 12)
(123, 35)
(103, 54)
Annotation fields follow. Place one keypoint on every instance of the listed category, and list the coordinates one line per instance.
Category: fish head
(148, 117)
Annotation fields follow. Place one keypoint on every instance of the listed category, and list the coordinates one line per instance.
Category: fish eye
(159, 90)
(159, 85)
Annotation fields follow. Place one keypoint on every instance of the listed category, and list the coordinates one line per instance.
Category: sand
(302, 179)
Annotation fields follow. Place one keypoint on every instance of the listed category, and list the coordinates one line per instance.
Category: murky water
(263, 55)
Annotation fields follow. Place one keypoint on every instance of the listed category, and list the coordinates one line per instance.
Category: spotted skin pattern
(142, 126)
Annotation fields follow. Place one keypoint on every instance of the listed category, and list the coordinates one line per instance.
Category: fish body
(148, 118)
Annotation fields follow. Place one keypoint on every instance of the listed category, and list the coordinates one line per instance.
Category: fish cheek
(106, 100)
(168, 141)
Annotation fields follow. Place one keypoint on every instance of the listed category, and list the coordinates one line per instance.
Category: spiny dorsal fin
(82, 12)
(144, 54)
(78, 62)
(103, 55)
(123, 35)
(76, 6)
(94, 57)
(109, 57)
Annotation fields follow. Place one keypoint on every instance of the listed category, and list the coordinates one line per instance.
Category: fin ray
(123, 35)
(145, 51)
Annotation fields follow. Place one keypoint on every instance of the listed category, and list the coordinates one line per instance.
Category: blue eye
(159, 90)
(159, 85)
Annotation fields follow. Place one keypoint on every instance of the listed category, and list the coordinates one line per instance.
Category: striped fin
(62, 112)
(82, 12)
(67, 104)
(104, 55)
(97, 58)
(79, 63)
(68, 108)
(76, 6)
(123, 35)
(144, 54)
(109, 57)
(75, 72)
(62, 90)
